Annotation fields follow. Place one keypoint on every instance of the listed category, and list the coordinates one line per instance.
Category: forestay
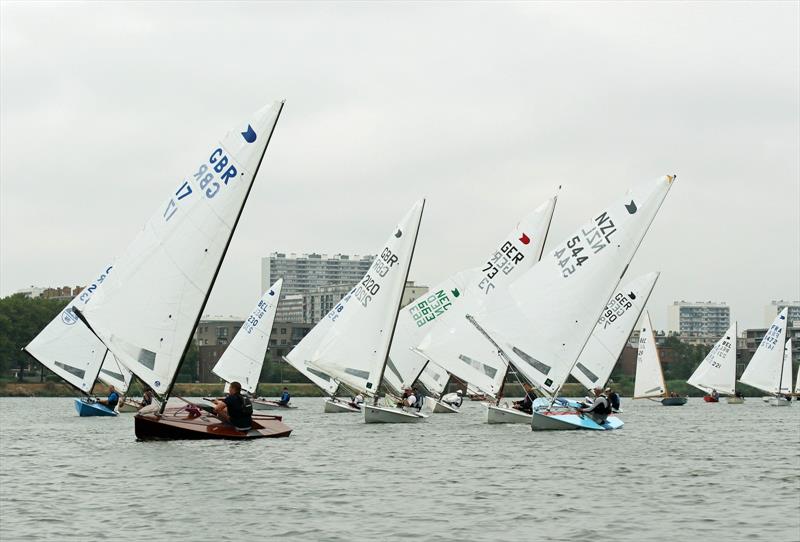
(425, 324)
(67, 347)
(764, 370)
(243, 359)
(148, 308)
(649, 378)
(358, 331)
(717, 372)
(544, 319)
(612, 331)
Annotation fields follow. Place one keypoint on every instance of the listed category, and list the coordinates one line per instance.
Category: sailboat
(797, 382)
(243, 359)
(611, 334)
(717, 372)
(543, 320)
(770, 368)
(69, 349)
(148, 308)
(649, 383)
(460, 294)
(352, 343)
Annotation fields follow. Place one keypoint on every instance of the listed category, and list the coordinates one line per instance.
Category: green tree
(21, 319)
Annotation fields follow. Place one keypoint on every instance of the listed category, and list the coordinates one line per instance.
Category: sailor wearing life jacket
(599, 409)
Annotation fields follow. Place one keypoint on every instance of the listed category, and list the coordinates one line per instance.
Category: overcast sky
(482, 108)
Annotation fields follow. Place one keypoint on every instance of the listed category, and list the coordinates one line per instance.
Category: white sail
(67, 347)
(764, 370)
(466, 292)
(243, 359)
(612, 331)
(356, 342)
(544, 319)
(786, 374)
(797, 382)
(718, 370)
(434, 378)
(649, 378)
(113, 373)
(148, 308)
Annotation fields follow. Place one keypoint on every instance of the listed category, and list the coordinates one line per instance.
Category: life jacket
(247, 405)
(420, 399)
(603, 407)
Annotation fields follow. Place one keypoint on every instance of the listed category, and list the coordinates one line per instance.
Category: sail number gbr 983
(209, 177)
(369, 286)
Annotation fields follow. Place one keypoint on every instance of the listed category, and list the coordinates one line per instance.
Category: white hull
(735, 400)
(265, 404)
(440, 407)
(499, 414)
(766, 398)
(335, 407)
(779, 401)
(382, 414)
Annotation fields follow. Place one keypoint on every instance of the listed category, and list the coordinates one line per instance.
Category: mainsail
(765, 368)
(465, 292)
(356, 339)
(68, 348)
(543, 320)
(113, 373)
(649, 377)
(148, 308)
(612, 331)
(786, 373)
(717, 372)
(243, 359)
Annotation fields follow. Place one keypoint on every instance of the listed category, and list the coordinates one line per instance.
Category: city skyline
(95, 128)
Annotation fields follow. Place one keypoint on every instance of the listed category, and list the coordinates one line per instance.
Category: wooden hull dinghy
(503, 414)
(383, 414)
(710, 399)
(674, 401)
(336, 406)
(86, 407)
(266, 404)
(192, 423)
(440, 407)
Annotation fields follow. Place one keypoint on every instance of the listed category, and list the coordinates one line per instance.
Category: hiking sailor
(599, 409)
(235, 409)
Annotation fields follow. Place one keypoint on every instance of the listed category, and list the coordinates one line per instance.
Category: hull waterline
(266, 404)
(380, 414)
(85, 408)
(193, 424)
(674, 401)
(338, 407)
(500, 414)
(440, 407)
(568, 421)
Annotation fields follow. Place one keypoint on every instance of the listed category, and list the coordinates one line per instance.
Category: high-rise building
(699, 322)
(302, 273)
(777, 306)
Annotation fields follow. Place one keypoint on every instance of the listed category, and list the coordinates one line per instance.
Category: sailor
(147, 397)
(714, 394)
(357, 401)
(285, 397)
(599, 409)
(613, 399)
(454, 400)
(112, 399)
(234, 409)
(526, 404)
(418, 398)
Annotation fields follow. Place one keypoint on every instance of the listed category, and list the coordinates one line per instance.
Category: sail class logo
(631, 295)
(631, 207)
(249, 135)
(271, 292)
(525, 239)
(455, 292)
(398, 234)
(68, 316)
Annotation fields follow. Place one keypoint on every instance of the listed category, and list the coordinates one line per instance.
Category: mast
(219, 265)
(399, 306)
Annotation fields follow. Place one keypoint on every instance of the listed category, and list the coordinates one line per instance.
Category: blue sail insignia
(249, 135)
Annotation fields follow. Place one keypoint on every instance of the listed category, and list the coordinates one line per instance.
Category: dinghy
(351, 345)
(243, 360)
(70, 349)
(717, 372)
(147, 310)
(649, 381)
(770, 368)
(475, 359)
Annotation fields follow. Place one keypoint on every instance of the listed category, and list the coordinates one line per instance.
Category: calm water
(696, 472)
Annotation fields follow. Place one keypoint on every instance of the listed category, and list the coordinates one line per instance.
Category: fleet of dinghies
(541, 316)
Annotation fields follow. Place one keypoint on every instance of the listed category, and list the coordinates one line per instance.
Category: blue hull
(562, 421)
(92, 409)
